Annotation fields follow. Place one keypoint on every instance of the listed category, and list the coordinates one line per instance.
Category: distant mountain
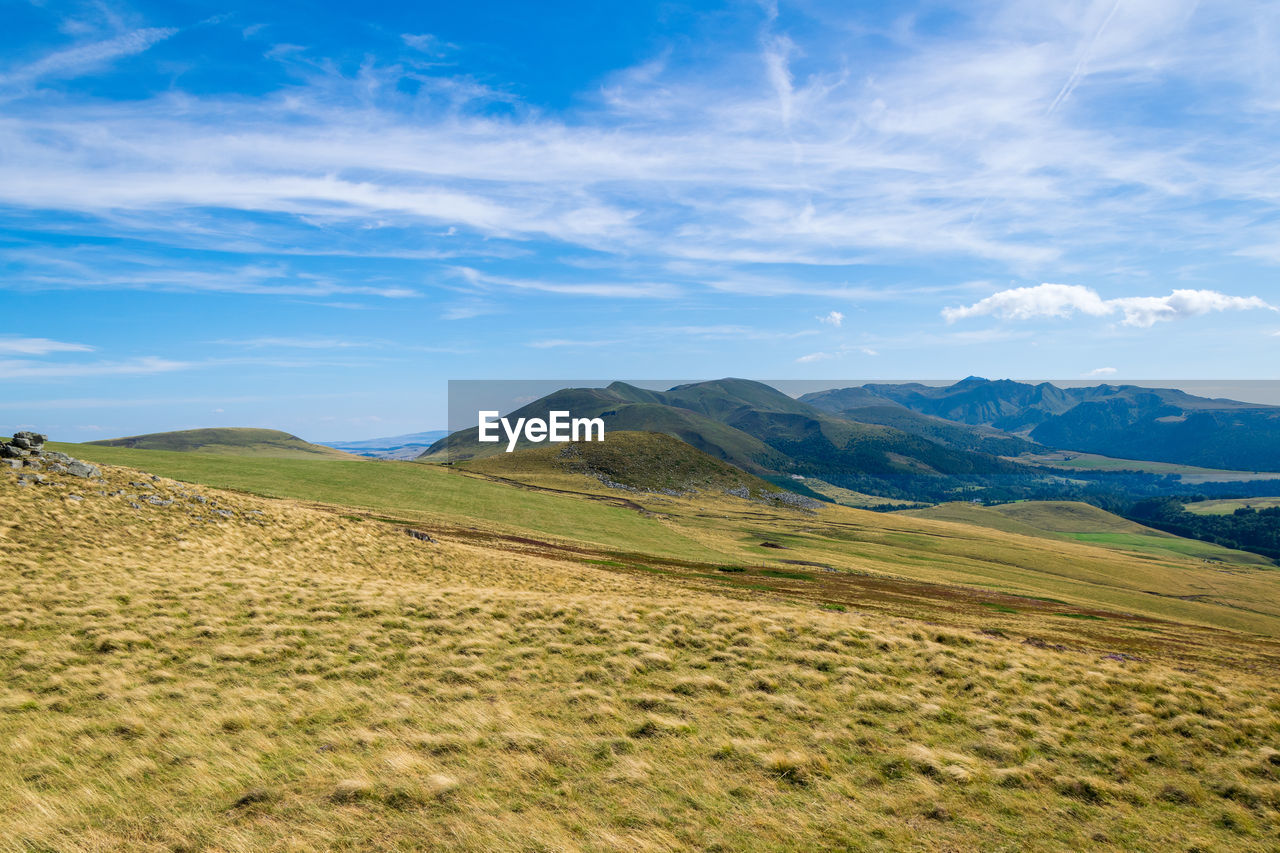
(228, 441)
(1125, 421)
(409, 446)
(760, 430)
(858, 404)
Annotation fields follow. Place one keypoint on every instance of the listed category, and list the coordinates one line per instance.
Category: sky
(311, 216)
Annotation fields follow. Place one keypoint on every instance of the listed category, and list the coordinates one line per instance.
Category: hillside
(693, 537)
(644, 461)
(207, 669)
(1084, 523)
(230, 441)
(858, 404)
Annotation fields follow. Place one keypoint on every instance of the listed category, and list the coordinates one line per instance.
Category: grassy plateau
(245, 654)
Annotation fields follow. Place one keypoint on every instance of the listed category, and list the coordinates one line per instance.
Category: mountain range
(1124, 421)
(922, 442)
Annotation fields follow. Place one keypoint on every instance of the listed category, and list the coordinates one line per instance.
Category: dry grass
(286, 679)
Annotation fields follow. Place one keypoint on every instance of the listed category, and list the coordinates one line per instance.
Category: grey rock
(57, 468)
(32, 463)
(58, 456)
(74, 498)
(135, 505)
(225, 513)
(10, 463)
(83, 469)
(31, 478)
(12, 451)
(158, 501)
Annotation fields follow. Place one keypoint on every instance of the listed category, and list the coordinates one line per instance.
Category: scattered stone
(33, 463)
(225, 513)
(74, 498)
(135, 505)
(57, 468)
(419, 535)
(158, 501)
(11, 463)
(83, 469)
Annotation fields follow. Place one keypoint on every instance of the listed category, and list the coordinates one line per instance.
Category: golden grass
(286, 679)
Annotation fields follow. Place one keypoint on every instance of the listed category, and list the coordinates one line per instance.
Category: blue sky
(309, 216)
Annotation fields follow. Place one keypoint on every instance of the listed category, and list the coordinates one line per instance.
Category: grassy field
(408, 491)
(1226, 507)
(1188, 473)
(694, 536)
(233, 673)
(1085, 523)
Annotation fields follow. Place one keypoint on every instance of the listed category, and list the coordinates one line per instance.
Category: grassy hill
(1084, 523)
(230, 441)
(201, 669)
(695, 537)
(647, 461)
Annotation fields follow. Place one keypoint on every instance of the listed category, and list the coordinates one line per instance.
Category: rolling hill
(229, 441)
(641, 461)
(1083, 523)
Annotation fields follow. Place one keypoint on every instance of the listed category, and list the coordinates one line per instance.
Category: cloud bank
(1066, 300)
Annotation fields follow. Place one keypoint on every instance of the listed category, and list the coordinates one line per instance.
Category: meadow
(233, 672)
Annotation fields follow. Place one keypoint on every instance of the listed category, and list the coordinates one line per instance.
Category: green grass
(409, 491)
(1228, 506)
(1177, 545)
(1188, 473)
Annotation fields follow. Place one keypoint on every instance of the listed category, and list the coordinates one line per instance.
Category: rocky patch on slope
(25, 453)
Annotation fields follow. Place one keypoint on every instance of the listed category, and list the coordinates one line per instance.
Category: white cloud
(77, 60)
(296, 343)
(1101, 371)
(814, 356)
(1066, 300)
(14, 369)
(557, 343)
(835, 318)
(38, 346)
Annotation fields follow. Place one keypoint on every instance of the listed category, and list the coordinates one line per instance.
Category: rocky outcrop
(25, 451)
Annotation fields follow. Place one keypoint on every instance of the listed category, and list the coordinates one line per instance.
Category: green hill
(647, 461)
(1083, 523)
(227, 441)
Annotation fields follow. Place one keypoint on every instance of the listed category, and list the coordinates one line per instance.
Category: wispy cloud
(1101, 371)
(23, 369)
(617, 290)
(295, 343)
(1064, 300)
(38, 346)
(77, 60)
(983, 148)
(834, 318)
